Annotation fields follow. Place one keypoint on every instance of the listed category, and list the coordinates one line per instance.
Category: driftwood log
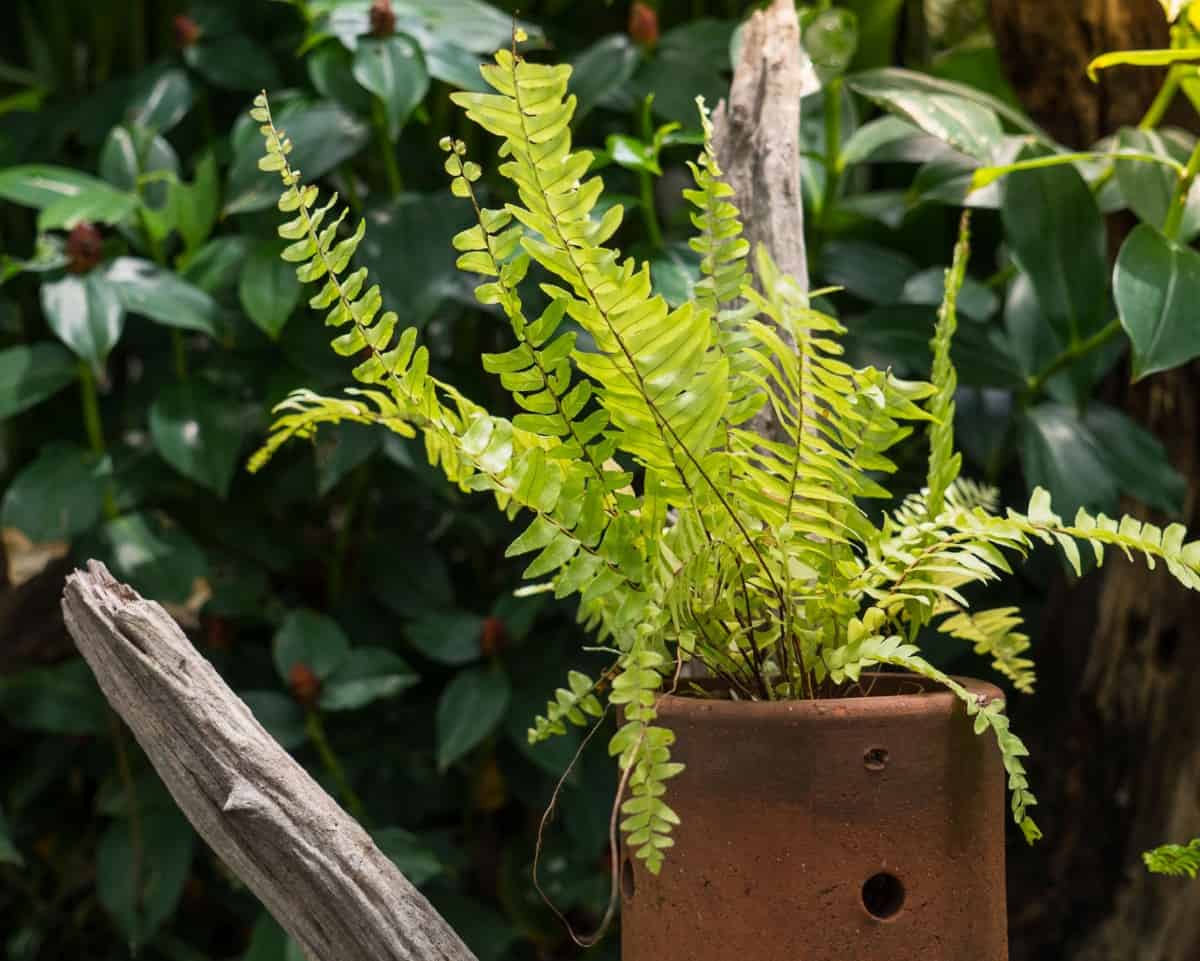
(756, 133)
(316, 870)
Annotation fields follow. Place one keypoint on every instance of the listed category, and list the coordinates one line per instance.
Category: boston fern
(686, 535)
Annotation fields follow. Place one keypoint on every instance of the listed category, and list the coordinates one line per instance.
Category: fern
(1174, 860)
(944, 462)
(684, 534)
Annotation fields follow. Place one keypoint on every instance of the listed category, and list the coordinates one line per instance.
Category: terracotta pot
(855, 829)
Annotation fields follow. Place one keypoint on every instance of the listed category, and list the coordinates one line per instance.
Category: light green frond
(574, 704)
(1175, 860)
(944, 461)
(871, 650)
(995, 634)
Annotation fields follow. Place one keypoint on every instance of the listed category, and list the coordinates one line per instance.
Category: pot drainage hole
(875, 759)
(883, 895)
(627, 885)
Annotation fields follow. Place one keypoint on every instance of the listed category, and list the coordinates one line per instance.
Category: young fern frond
(574, 704)
(944, 461)
(1174, 860)
(724, 278)
(995, 634)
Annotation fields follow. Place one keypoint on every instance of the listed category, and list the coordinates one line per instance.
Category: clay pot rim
(931, 698)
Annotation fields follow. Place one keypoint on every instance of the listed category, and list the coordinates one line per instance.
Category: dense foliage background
(362, 607)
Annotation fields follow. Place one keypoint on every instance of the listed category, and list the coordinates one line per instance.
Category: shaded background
(361, 606)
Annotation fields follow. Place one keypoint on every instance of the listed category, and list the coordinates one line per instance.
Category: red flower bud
(493, 638)
(643, 25)
(383, 18)
(304, 684)
(186, 30)
(85, 247)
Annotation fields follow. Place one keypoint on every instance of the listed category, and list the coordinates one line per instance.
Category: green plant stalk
(646, 181)
(1162, 100)
(314, 727)
(387, 148)
(1179, 200)
(833, 150)
(95, 430)
(1071, 354)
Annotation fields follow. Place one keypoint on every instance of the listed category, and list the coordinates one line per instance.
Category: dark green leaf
(141, 870)
(217, 265)
(232, 61)
(421, 225)
(160, 561)
(632, 154)
(268, 289)
(875, 274)
(675, 273)
(897, 81)
(691, 59)
(469, 709)
(408, 578)
(72, 474)
(447, 637)
(63, 699)
(470, 24)
(40, 185)
(86, 314)
(30, 374)
(486, 932)
(342, 448)
(889, 139)
(368, 674)
(453, 65)
(1157, 288)
(606, 65)
(928, 288)
(1149, 188)
(138, 161)
(163, 97)
(312, 639)
(157, 293)
(962, 123)
(416, 861)
(1056, 234)
(329, 69)
(393, 69)
(1059, 453)
(279, 714)
(195, 206)
(105, 206)
(197, 428)
(1137, 459)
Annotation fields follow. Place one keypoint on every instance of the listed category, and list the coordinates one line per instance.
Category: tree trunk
(1116, 756)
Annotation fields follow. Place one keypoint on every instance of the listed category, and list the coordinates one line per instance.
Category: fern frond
(643, 751)
(994, 634)
(573, 704)
(662, 382)
(866, 650)
(944, 461)
(1129, 534)
(303, 411)
(1174, 860)
(723, 251)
